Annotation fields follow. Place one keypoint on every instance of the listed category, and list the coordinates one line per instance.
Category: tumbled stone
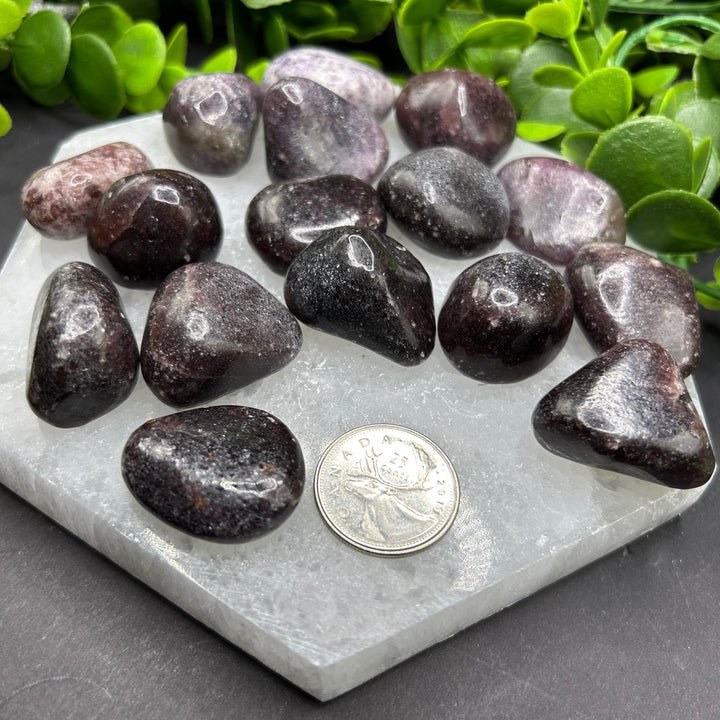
(505, 318)
(446, 200)
(212, 329)
(628, 411)
(622, 293)
(364, 286)
(226, 473)
(557, 207)
(60, 199)
(210, 121)
(310, 131)
(358, 83)
(458, 108)
(150, 223)
(283, 218)
(84, 357)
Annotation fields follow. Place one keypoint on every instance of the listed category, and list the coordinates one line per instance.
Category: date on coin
(386, 489)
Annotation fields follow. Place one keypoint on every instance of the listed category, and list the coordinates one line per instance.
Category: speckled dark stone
(622, 293)
(150, 223)
(311, 131)
(84, 356)
(60, 199)
(211, 329)
(364, 286)
(283, 218)
(505, 318)
(210, 121)
(556, 207)
(628, 411)
(457, 108)
(446, 200)
(225, 473)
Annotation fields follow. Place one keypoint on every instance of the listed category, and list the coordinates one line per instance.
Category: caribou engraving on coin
(386, 489)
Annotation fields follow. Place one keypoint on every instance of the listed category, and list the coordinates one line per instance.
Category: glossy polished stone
(311, 131)
(210, 121)
(364, 286)
(506, 317)
(557, 207)
(446, 200)
(60, 199)
(148, 224)
(457, 108)
(225, 473)
(212, 329)
(622, 293)
(84, 357)
(283, 218)
(358, 83)
(628, 411)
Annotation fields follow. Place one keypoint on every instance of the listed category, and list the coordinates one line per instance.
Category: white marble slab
(322, 614)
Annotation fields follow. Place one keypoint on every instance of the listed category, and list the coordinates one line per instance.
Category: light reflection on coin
(386, 489)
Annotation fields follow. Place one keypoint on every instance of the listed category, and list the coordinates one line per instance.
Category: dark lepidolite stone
(283, 218)
(210, 121)
(628, 411)
(310, 131)
(622, 293)
(212, 329)
(355, 81)
(556, 207)
(59, 200)
(364, 286)
(225, 473)
(448, 201)
(457, 108)
(150, 223)
(84, 356)
(506, 317)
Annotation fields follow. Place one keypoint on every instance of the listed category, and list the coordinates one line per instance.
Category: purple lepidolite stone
(210, 121)
(149, 224)
(458, 108)
(283, 218)
(557, 207)
(622, 293)
(628, 410)
(226, 473)
(311, 131)
(212, 329)
(60, 200)
(84, 358)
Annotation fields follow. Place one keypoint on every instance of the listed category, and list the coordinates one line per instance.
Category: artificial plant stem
(706, 289)
(658, 8)
(577, 54)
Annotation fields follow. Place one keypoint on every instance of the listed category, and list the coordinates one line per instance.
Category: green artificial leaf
(676, 97)
(612, 46)
(327, 33)
(255, 70)
(149, 102)
(275, 33)
(653, 80)
(41, 49)
(108, 22)
(552, 107)
(177, 45)
(495, 64)
(644, 156)
(603, 98)
(171, 75)
(597, 11)
(438, 42)
(308, 14)
(557, 76)
(223, 60)
(672, 41)
(11, 16)
(590, 50)
(711, 47)
(409, 40)
(702, 152)
(5, 121)
(708, 301)
(500, 33)
(370, 17)
(538, 132)
(140, 54)
(24, 5)
(44, 96)
(417, 12)
(674, 221)
(554, 19)
(711, 180)
(706, 77)
(367, 59)
(508, 7)
(702, 118)
(204, 19)
(576, 9)
(94, 78)
(577, 146)
(5, 58)
(138, 9)
(716, 270)
(262, 4)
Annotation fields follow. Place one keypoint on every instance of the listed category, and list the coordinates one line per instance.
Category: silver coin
(386, 489)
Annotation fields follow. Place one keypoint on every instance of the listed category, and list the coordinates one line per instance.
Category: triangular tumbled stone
(364, 286)
(211, 329)
(629, 411)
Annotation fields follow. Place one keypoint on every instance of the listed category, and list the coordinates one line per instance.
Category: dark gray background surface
(635, 635)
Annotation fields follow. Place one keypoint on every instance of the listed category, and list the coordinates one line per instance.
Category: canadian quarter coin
(386, 489)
